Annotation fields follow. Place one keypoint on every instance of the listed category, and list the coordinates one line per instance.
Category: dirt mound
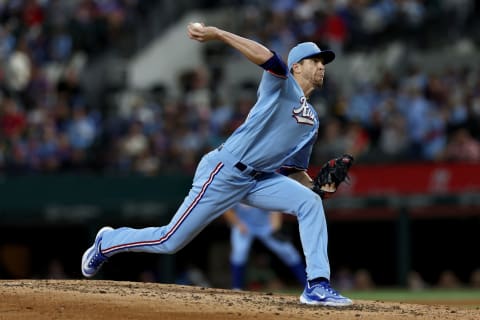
(92, 299)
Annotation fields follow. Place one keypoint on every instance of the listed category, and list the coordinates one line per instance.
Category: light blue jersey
(280, 128)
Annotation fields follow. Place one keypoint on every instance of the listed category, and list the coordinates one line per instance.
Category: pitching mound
(91, 299)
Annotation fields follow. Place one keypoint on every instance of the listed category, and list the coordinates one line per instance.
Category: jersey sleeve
(275, 66)
(274, 76)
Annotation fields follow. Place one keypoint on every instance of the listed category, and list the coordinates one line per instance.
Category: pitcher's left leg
(286, 195)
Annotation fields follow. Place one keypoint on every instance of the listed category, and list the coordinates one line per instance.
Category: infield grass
(466, 297)
(407, 295)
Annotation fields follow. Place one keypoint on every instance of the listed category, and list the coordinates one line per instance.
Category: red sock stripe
(175, 227)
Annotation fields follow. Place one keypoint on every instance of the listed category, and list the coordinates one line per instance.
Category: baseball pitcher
(278, 135)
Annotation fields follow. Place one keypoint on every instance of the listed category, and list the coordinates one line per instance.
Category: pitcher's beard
(318, 84)
(318, 80)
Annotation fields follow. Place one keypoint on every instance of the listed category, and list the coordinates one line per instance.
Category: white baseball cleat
(323, 294)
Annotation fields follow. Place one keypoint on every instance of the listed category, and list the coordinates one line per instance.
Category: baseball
(197, 26)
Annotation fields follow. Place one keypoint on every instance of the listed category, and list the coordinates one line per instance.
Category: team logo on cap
(304, 114)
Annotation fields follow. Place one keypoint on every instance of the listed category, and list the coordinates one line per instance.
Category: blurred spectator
(378, 15)
(81, 129)
(332, 142)
(475, 279)
(16, 260)
(344, 279)
(133, 145)
(147, 276)
(458, 11)
(425, 126)
(462, 147)
(393, 141)
(48, 150)
(56, 270)
(415, 281)
(197, 94)
(448, 280)
(361, 105)
(146, 163)
(363, 280)
(307, 15)
(357, 140)
(3, 149)
(18, 68)
(69, 89)
(333, 32)
(12, 118)
(7, 41)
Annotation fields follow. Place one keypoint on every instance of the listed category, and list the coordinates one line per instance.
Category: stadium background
(106, 107)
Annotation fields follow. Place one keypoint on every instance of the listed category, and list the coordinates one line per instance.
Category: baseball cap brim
(306, 50)
(326, 55)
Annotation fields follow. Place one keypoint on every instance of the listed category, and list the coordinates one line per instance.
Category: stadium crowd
(47, 123)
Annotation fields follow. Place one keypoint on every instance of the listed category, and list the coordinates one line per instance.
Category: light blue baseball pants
(217, 186)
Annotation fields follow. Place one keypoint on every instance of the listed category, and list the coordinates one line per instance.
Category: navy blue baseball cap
(308, 50)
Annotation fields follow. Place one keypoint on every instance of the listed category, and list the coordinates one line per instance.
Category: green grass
(467, 297)
(454, 295)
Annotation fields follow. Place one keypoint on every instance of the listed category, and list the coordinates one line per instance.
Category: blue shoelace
(97, 259)
(326, 286)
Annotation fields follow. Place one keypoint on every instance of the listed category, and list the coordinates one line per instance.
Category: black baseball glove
(331, 175)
